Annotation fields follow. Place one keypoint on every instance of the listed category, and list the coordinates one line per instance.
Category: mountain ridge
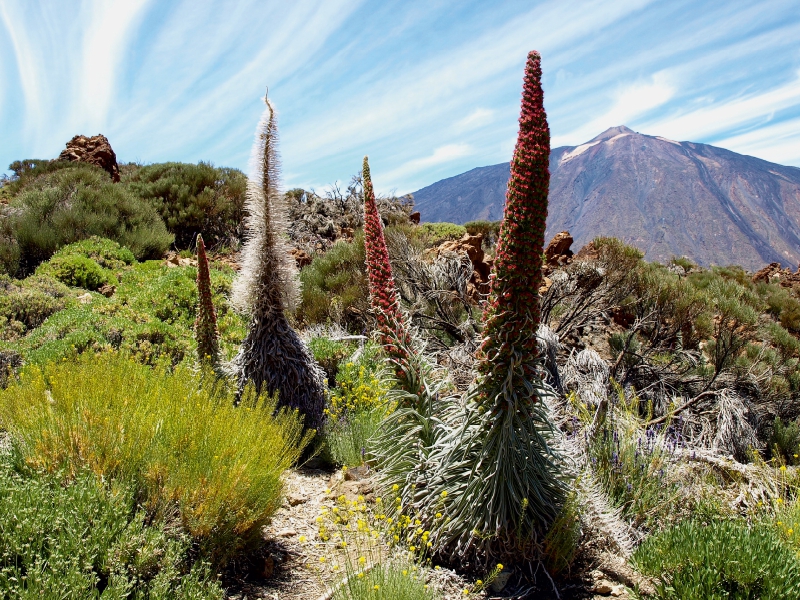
(668, 198)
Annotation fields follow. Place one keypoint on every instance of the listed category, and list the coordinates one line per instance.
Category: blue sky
(428, 89)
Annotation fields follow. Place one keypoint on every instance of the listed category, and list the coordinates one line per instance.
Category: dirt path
(283, 572)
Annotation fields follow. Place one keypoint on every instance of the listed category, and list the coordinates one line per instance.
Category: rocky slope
(667, 198)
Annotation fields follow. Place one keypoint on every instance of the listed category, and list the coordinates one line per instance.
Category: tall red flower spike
(512, 314)
(206, 324)
(392, 329)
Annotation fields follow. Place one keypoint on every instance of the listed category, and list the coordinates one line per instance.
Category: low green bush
(683, 262)
(84, 539)
(25, 305)
(440, 232)
(631, 463)
(360, 383)
(9, 249)
(357, 406)
(194, 199)
(335, 287)
(784, 442)
(168, 293)
(347, 439)
(76, 202)
(719, 560)
(106, 253)
(75, 271)
(174, 436)
(393, 580)
(329, 353)
(425, 235)
(560, 544)
(101, 325)
(151, 316)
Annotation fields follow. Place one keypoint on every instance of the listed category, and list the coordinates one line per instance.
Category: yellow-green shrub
(359, 385)
(175, 436)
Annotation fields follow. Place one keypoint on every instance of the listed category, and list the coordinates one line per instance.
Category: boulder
(472, 246)
(301, 257)
(94, 150)
(558, 250)
(773, 273)
(588, 253)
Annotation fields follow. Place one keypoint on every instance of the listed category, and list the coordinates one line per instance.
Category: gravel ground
(283, 572)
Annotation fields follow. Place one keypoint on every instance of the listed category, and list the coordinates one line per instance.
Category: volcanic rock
(472, 246)
(301, 257)
(773, 273)
(95, 150)
(588, 253)
(559, 246)
(558, 253)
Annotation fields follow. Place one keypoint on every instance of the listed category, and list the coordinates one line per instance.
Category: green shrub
(785, 441)
(75, 271)
(440, 232)
(9, 249)
(488, 229)
(631, 463)
(425, 235)
(357, 406)
(560, 545)
(25, 305)
(194, 199)
(781, 305)
(329, 353)
(151, 316)
(175, 437)
(106, 253)
(171, 296)
(786, 523)
(719, 560)
(75, 203)
(347, 439)
(395, 580)
(83, 539)
(683, 262)
(335, 288)
(101, 325)
(360, 384)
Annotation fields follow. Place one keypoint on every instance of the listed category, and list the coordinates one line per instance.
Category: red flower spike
(206, 324)
(392, 328)
(512, 314)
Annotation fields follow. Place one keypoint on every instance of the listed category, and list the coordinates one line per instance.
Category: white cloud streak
(442, 155)
(630, 103)
(722, 116)
(182, 79)
(104, 45)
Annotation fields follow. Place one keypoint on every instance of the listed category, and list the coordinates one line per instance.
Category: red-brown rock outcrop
(95, 150)
(472, 245)
(773, 273)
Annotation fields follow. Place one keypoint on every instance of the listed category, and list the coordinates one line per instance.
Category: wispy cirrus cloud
(480, 117)
(428, 90)
(716, 117)
(630, 103)
(441, 155)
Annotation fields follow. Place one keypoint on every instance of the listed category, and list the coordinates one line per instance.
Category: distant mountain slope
(667, 198)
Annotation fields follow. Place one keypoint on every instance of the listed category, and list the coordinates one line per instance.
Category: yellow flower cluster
(357, 389)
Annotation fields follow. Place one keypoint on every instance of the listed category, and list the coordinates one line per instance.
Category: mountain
(665, 197)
